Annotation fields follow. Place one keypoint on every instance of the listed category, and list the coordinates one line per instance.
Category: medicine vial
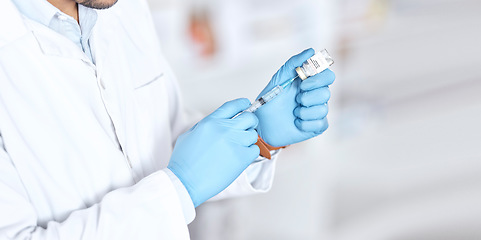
(314, 65)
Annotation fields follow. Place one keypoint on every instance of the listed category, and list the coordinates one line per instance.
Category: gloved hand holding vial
(314, 65)
(297, 94)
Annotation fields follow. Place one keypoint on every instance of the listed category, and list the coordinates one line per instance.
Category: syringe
(314, 65)
(268, 96)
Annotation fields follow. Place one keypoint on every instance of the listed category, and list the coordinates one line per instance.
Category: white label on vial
(319, 63)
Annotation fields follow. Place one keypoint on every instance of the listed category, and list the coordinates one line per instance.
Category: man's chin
(97, 4)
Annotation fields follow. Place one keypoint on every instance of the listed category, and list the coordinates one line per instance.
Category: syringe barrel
(272, 94)
(264, 99)
(254, 106)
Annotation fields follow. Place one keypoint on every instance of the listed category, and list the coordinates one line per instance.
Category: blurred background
(402, 157)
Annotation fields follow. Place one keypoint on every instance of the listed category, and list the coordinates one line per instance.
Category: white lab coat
(82, 147)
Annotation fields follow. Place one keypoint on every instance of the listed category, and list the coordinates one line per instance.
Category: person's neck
(68, 7)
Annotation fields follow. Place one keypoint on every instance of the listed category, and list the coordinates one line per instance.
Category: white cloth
(83, 146)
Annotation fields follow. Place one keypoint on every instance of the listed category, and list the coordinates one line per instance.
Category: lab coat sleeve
(184, 197)
(148, 210)
(257, 178)
(181, 118)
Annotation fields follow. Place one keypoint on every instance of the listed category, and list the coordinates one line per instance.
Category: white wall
(402, 157)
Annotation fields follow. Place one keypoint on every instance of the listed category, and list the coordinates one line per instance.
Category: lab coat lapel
(54, 44)
(50, 42)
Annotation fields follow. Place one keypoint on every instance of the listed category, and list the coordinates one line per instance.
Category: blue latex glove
(213, 153)
(300, 111)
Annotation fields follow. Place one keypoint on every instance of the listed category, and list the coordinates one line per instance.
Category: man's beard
(96, 4)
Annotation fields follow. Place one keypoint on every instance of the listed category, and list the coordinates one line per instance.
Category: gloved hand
(300, 111)
(213, 153)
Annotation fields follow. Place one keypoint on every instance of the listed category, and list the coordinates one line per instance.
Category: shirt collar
(87, 18)
(42, 11)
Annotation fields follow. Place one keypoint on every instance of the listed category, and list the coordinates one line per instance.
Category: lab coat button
(128, 160)
(62, 17)
(102, 84)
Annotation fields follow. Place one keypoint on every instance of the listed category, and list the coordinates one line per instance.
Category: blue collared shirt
(45, 13)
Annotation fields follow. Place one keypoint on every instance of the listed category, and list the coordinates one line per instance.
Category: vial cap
(301, 73)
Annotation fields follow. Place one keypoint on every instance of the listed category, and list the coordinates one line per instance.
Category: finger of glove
(314, 97)
(246, 138)
(297, 60)
(311, 113)
(316, 126)
(231, 108)
(253, 152)
(245, 120)
(287, 71)
(323, 79)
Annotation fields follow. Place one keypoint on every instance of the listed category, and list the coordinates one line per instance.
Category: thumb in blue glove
(299, 112)
(213, 153)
